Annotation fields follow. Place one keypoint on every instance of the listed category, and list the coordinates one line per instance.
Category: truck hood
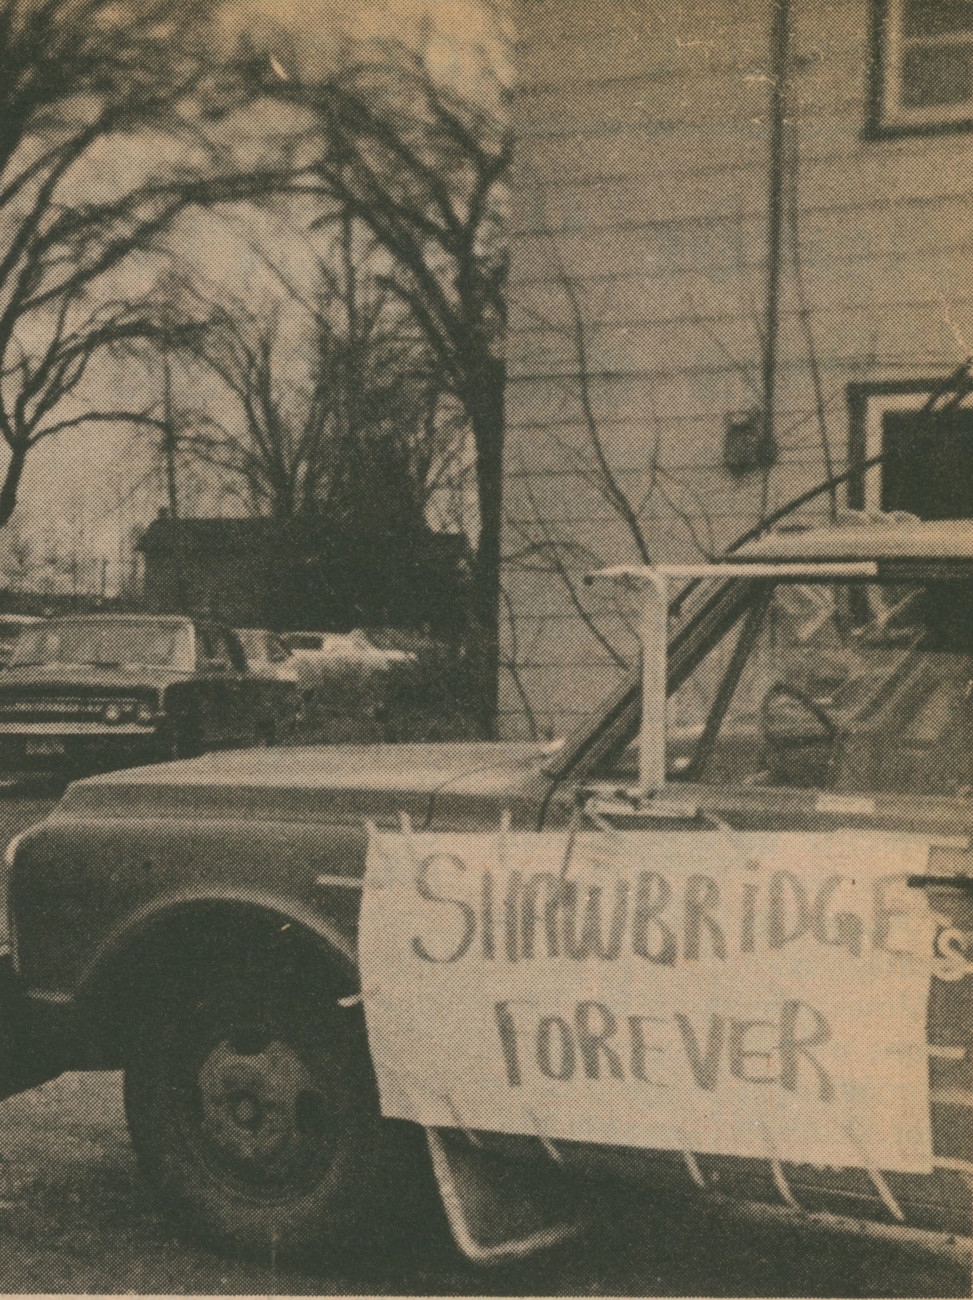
(317, 782)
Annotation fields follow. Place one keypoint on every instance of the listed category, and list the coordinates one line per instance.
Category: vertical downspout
(779, 72)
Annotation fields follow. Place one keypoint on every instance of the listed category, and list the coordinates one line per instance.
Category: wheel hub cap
(262, 1112)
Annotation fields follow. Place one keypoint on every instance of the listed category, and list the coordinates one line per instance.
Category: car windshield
(115, 642)
(852, 687)
(304, 640)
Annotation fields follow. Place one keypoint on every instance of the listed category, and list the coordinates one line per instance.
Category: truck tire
(253, 1113)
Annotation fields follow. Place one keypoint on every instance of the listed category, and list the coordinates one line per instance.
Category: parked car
(322, 656)
(348, 684)
(97, 691)
(267, 655)
(737, 962)
(11, 626)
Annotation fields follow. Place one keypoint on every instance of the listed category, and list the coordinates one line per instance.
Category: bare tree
(540, 546)
(424, 169)
(332, 412)
(19, 560)
(268, 452)
(103, 143)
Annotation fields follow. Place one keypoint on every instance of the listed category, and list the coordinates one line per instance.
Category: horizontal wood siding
(641, 185)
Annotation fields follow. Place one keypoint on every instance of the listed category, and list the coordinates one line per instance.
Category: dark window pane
(933, 17)
(937, 74)
(928, 466)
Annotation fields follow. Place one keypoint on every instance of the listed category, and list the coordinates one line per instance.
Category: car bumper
(51, 749)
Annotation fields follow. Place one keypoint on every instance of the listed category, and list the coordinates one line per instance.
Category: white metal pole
(781, 570)
(655, 633)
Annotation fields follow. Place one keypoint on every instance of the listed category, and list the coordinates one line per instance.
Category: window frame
(885, 119)
(867, 402)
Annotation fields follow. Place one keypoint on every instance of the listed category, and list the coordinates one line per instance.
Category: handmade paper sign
(750, 995)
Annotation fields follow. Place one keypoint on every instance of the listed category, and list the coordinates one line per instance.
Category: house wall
(641, 190)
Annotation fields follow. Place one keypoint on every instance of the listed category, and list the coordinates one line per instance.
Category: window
(305, 640)
(928, 465)
(277, 651)
(855, 688)
(925, 63)
(219, 648)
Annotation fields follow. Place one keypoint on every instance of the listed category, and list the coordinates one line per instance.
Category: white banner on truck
(730, 994)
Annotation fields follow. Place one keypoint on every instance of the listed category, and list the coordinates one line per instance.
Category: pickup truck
(720, 939)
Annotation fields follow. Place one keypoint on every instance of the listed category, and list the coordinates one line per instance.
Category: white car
(320, 656)
(267, 655)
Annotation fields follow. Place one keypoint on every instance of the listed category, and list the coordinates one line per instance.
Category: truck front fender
(88, 894)
(171, 949)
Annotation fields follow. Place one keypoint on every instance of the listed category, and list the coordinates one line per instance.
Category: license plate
(44, 748)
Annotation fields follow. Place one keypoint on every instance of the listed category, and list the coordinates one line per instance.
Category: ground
(76, 1217)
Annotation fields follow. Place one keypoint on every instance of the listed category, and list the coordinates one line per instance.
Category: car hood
(49, 677)
(318, 782)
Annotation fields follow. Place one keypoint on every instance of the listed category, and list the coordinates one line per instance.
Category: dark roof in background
(219, 533)
(248, 534)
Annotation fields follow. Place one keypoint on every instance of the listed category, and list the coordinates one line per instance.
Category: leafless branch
(510, 664)
(804, 314)
(83, 77)
(553, 552)
(318, 413)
